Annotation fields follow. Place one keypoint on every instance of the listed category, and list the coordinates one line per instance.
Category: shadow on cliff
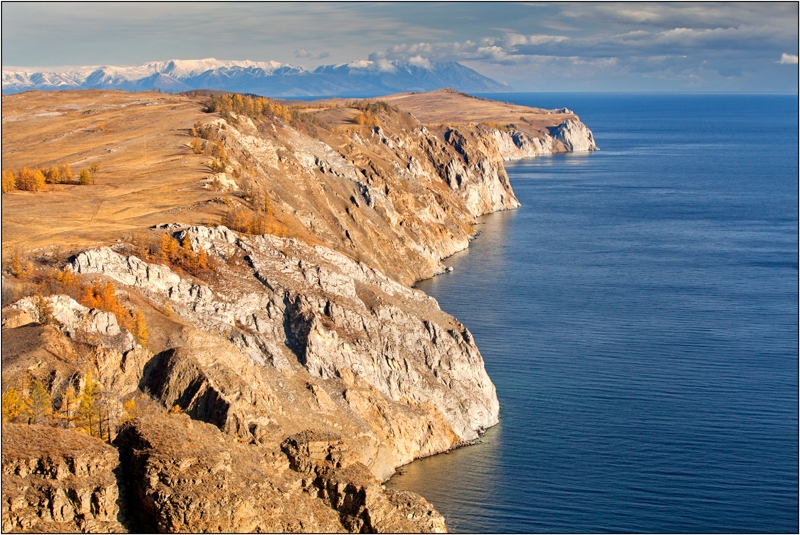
(177, 380)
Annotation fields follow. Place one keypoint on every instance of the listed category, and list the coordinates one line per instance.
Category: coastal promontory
(209, 320)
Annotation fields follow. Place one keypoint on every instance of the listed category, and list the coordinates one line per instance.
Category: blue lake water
(639, 317)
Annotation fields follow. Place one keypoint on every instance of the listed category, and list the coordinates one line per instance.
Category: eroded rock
(55, 480)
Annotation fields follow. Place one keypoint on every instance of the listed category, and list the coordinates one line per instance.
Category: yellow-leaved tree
(12, 405)
(68, 400)
(53, 176)
(30, 180)
(65, 171)
(9, 180)
(88, 413)
(39, 409)
(131, 410)
(140, 331)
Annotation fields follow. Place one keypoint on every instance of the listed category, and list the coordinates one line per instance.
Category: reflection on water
(473, 469)
(491, 248)
(476, 469)
(638, 315)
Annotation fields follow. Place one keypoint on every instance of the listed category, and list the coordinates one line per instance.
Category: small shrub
(18, 266)
(218, 166)
(45, 311)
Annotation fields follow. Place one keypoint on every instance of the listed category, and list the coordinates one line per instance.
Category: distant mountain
(261, 78)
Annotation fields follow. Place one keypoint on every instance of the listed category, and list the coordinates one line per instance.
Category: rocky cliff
(58, 480)
(348, 340)
(278, 383)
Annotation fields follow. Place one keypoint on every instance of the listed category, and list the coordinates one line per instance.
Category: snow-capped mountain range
(263, 78)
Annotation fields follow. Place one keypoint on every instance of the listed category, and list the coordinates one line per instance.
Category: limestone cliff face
(306, 368)
(399, 196)
(575, 136)
(72, 318)
(569, 136)
(356, 340)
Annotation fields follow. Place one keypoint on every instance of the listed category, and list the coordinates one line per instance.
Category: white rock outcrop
(74, 319)
(335, 317)
(575, 136)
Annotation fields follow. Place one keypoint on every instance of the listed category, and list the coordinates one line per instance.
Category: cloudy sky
(535, 46)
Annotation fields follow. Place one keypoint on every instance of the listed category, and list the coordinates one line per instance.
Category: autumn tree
(130, 410)
(39, 408)
(68, 400)
(66, 281)
(66, 173)
(30, 180)
(107, 416)
(9, 180)
(167, 248)
(12, 405)
(85, 178)
(52, 176)
(18, 266)
(44, 311)
(140, 331)
(87, 409)
(104, 297)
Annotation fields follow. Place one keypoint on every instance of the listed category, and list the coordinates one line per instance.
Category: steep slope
(294, 344)
(399, 196)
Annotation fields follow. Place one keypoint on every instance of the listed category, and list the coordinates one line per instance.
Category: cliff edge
(262, 364)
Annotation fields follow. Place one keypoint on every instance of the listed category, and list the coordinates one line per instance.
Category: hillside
(149, 174)
(226, 302)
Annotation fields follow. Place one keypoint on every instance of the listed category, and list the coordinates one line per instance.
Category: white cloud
(360, 64)
(419, 61)
(514, 39)
(788, 59)
(384, 65)
(305, 54)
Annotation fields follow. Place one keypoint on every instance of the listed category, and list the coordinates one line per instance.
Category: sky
(532, 46)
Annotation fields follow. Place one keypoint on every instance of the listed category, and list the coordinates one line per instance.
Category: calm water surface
(639, 317)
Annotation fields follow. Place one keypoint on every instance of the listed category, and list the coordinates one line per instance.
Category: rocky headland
(266, 374)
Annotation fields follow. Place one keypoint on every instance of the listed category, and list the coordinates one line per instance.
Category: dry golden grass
(446, 106)
(340, 116)
(147, 172)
